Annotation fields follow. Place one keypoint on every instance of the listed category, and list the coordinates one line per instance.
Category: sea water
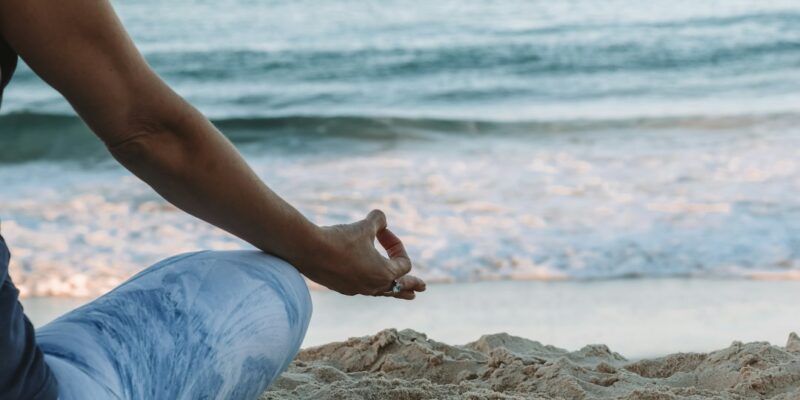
(531, 140)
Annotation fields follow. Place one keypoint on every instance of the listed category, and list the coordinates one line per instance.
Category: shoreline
(631, 339)
(640, 318)
(754, 276)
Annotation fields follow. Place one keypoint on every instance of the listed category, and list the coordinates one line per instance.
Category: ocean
(513, 140)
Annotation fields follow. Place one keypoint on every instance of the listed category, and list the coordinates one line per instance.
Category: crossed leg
(208, 325)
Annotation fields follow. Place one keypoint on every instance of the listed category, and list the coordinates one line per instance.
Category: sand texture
(407, 365)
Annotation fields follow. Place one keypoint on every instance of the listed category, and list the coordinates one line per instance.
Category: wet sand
(639, 320)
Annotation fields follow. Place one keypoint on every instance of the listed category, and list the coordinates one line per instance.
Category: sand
(407, 365)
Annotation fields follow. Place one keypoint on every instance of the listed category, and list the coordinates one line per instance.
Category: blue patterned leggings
(208, 325)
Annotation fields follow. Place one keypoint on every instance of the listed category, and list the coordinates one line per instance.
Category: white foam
(573, 206)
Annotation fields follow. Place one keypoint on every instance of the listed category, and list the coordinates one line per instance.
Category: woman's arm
(82, 50)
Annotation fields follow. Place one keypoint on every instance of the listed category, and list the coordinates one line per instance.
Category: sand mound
(407, 365)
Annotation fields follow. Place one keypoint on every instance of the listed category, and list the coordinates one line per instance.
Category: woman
(201, 325)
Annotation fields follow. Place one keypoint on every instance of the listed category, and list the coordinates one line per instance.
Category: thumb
(376, 221)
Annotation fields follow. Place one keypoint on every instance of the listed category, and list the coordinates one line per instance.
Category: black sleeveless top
(8, 63)
(23, 371)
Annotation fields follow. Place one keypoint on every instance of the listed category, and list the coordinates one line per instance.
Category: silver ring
(396, 288)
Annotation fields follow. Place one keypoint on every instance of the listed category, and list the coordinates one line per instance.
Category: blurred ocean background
(522, 140)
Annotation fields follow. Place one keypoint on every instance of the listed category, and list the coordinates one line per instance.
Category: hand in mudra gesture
(350, 264)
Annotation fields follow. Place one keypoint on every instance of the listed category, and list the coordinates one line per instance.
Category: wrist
(308, 247)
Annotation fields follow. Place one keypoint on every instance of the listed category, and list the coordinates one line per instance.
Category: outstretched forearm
(188, 161)
(192, 165)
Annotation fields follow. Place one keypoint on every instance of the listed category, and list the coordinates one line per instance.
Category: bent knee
(252, 268)
(268, 277)
(221, 279)
(252, 278)
(209, 311)
(261, 288)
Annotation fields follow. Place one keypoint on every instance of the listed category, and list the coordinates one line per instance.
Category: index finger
(398, 257)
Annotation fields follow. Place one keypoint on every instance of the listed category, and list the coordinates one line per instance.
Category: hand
(349, 263)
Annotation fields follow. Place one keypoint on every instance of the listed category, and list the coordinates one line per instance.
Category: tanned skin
(81, 49)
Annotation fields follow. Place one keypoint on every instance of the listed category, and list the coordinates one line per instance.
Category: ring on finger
(396, 287)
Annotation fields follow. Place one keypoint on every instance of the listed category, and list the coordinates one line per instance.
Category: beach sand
(404, 365)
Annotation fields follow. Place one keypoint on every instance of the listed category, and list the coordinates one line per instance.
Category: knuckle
(405, 267)
(379, 215)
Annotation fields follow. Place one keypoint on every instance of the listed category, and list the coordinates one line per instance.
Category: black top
(8, 63)
(23, 372)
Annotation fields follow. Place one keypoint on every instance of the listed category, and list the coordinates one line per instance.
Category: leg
(209, 325)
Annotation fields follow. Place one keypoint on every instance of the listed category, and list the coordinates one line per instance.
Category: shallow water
(512, 140)
(637, 318)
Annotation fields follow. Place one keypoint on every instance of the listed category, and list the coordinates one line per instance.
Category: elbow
(134, 149)
(146, 138)
(161, 146)
(133, 136)
(151, 154)
(148, 135)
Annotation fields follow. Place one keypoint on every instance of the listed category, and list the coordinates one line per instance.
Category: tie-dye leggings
(208, 325)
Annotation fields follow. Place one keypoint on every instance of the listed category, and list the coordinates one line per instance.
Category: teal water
(465, 60)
